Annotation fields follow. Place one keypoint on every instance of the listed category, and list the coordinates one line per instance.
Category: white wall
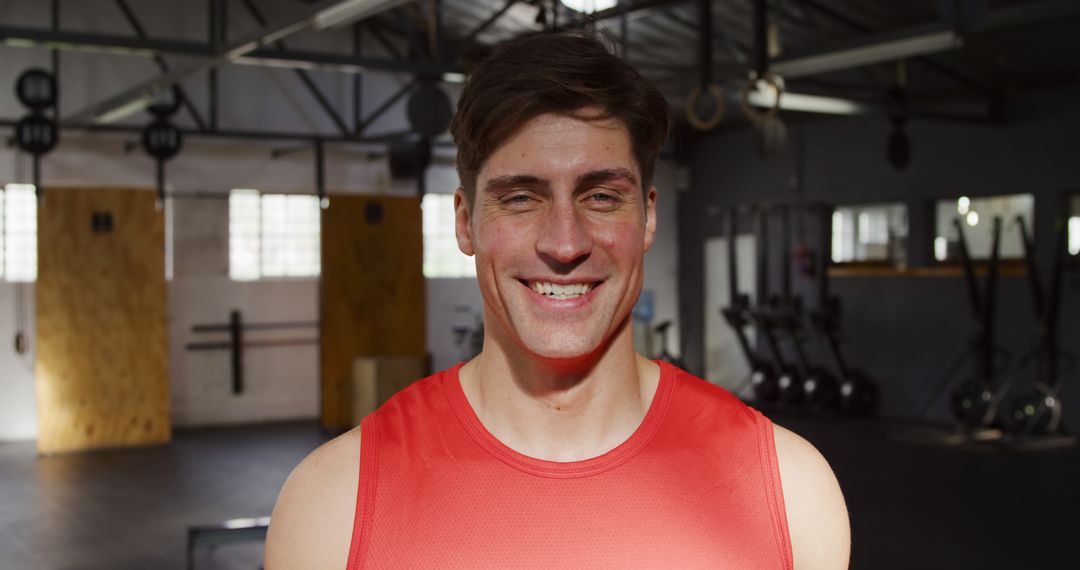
(18, 412)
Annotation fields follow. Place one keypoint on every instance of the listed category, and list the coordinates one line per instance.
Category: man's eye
(518, 199)
(603, 199)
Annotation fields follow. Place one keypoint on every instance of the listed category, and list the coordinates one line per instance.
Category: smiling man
(559, 446)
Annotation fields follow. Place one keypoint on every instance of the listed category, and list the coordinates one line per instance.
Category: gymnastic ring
(692, 117)
(754, 115)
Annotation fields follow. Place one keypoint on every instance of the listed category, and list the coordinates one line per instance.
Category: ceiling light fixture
(766, 98)
(590, 6)
(877, 52)
(124, 111)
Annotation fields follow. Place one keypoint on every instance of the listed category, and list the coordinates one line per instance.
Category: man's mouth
(561, 290)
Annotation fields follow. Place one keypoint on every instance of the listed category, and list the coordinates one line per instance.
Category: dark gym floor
(911, 506)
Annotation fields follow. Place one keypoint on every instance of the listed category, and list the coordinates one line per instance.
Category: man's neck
(559, 411)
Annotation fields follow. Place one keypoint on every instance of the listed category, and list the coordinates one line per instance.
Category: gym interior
(227, 234)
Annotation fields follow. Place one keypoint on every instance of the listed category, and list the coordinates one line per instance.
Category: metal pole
(38, 191)
(161, 182)
(358, 84)
(320, 172)
(761, 37)
(56, 56)
(733, 261)
(236, 341)
(705, 42)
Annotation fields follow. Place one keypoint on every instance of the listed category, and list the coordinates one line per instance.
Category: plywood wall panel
(372, 293)
(102, 357)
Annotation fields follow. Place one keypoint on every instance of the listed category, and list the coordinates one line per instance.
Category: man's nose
(564, 237)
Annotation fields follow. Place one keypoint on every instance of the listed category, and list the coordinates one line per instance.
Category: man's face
(559, 229)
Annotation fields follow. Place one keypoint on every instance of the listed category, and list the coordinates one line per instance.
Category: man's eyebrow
(515, 181)
(607, 175)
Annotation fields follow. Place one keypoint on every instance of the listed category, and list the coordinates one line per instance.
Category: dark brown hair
(559, 73)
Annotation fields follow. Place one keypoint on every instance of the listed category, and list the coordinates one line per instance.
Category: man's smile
(564, 290)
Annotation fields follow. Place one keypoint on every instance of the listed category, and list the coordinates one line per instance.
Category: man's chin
(562, 350)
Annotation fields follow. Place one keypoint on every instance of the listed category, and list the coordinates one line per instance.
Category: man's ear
(650, 217)
(463, 222)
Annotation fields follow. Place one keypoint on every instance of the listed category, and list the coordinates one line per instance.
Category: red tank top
(695, 486)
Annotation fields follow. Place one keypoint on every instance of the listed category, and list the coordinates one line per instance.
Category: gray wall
(903, 330)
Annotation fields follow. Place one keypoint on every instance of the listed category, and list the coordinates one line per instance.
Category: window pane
(303, 236)
(20, 233)
(977, 220)
(442, 258)
(870, 232)
(244, 235)
(275, 234)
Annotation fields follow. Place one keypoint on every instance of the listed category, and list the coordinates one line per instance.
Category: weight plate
(36, 134)
(162, 140)
(36, 88)
(165, 102)
(429, 110)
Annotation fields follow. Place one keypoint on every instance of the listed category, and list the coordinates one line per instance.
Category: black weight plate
(429, 110)
(36, 134)
(36, 88)
(162, 140)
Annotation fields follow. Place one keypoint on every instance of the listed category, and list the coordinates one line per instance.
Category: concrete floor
(911, 506)
(130, 509)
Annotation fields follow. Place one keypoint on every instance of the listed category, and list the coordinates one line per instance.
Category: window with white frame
(18, 233)
(442, 258)
(870, 233)
(273, 235)
(976, 216)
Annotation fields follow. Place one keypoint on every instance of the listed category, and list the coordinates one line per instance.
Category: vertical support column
(236, 342)
(761, 37)
(705, 43)
(56, 57)
(320, 173)
(217, 37)
(358, 83)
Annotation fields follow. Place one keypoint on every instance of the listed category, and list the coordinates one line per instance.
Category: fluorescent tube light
(878, 52)
(590, 6)
(349, 11)
(808, 103)
(124, 111)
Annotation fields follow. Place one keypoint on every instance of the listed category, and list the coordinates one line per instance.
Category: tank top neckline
(559, 469)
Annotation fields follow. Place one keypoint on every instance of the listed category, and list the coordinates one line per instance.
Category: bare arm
(816, 513)
(311, 527)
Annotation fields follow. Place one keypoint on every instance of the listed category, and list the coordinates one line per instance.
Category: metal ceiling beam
(146, 89)
(81, 41)
(489, 21)
(252, 42)
(162, 65)
(148, 47)
(303, 75)
(342, 63)
(232, 133)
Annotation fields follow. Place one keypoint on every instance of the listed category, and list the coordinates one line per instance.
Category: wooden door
(102, 356)
(372, 293)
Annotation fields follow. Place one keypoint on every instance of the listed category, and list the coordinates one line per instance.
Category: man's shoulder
(701, 393)
(816, 513)
(312, 523)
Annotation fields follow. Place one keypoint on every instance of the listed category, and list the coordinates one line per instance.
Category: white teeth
(558, 291)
